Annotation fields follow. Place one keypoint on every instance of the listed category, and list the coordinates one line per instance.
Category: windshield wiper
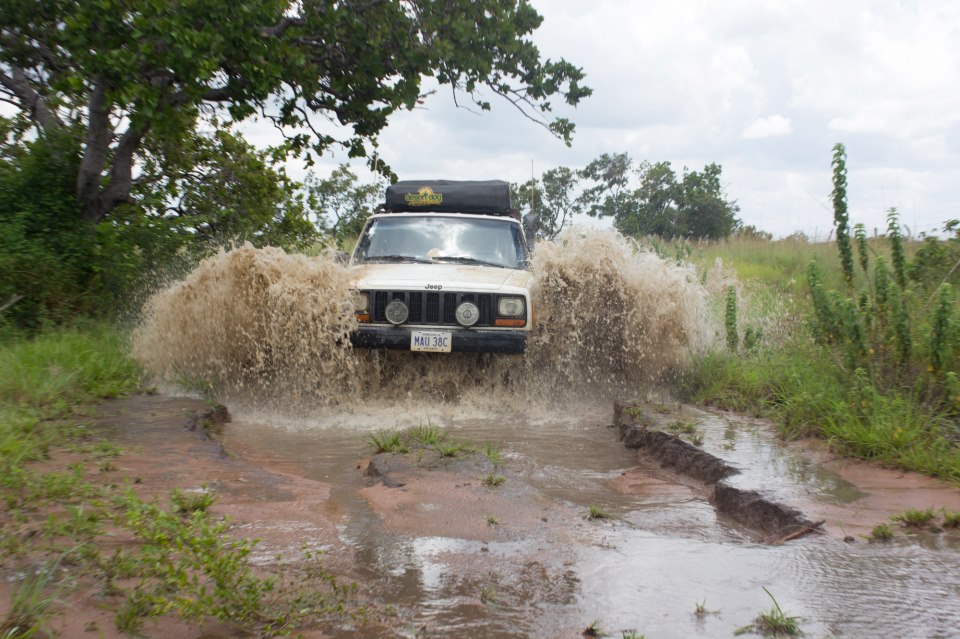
(462, 259)
(395, 258)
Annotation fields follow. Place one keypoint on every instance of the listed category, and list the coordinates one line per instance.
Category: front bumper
(464, 341)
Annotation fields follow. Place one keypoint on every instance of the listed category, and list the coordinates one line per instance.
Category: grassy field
(873, 369)
(60, 522)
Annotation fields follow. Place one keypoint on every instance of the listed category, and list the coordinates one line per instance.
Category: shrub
(45, 246)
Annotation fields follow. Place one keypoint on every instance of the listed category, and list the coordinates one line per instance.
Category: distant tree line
(641, 198)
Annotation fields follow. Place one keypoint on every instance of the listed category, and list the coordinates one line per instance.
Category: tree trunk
(97, 145)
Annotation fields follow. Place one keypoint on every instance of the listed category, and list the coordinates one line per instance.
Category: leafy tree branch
(115, 73)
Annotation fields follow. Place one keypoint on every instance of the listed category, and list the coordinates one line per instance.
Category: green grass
(951, 519)
(186, 503)
(594, 629)
(453, 448)
(428, 437)
(426, 434)
(494, 454)
(807, 394)
(57, 370)
(778, 265)
(688, 429)
(914, 517)
(881, 532)
(597, 512)
(681, 427)
(774, 623)
(493, 481)
(388, 441)
(44, 381)
(33, 603)
(906, 417)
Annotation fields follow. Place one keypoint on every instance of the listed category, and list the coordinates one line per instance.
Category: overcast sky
(764, 88)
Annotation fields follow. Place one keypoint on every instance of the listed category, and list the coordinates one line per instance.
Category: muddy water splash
(609, 314)
(256, 321)
(272, 326)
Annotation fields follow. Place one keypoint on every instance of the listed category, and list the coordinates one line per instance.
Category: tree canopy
(340, 204)
(644, 199)
(649, 199)
(123, 75)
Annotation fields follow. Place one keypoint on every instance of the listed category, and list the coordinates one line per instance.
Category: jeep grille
(428, 307)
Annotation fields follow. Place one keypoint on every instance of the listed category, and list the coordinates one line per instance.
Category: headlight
(361, 302)
(510, 306)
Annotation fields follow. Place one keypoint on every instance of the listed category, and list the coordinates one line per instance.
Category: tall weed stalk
(880, 377)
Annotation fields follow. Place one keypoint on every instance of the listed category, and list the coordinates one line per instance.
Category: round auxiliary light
(467, 314)
(397, 312)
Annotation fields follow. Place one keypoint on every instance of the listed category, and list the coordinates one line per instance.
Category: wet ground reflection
(647, 569)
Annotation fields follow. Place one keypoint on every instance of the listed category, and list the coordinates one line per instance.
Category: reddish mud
(165, 447)
(264, 497)
(447, 498)
(499, 556)
(887, 492)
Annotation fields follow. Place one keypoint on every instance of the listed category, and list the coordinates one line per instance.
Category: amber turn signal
(363, 318)
(516, 323)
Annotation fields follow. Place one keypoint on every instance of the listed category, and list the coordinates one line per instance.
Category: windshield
(439, 239)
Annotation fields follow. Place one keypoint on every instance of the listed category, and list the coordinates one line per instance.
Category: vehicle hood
(453, 277)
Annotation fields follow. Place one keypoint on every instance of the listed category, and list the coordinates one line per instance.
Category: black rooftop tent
(489, 197)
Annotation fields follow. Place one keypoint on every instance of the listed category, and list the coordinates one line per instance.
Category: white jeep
(443, 267)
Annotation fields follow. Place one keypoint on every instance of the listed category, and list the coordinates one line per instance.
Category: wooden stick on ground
(800, 532)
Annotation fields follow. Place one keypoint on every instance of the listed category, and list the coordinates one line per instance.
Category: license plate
(431, 341)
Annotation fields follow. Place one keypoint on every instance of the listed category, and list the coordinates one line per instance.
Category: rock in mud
(208, 422)
(385, 467)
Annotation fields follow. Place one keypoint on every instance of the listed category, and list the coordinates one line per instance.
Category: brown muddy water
(266, 333)
(452, 574)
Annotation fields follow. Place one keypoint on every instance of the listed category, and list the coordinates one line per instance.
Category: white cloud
(762, 88)
(768, 127)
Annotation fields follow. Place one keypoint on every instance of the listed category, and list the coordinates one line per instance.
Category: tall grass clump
(33, 602)
(51, 374)
(56, 369)
(873, 362)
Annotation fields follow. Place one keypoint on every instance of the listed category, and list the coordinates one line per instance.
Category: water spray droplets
(274, 329)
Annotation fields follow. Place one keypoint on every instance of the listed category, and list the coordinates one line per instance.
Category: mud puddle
(456, 558)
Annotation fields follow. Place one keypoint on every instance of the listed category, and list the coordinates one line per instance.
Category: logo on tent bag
(424, 197)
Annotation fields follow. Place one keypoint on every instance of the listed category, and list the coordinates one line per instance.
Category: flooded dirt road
(444, 552)
(446, 555)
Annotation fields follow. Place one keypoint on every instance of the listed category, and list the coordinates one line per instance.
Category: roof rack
(488, 197)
